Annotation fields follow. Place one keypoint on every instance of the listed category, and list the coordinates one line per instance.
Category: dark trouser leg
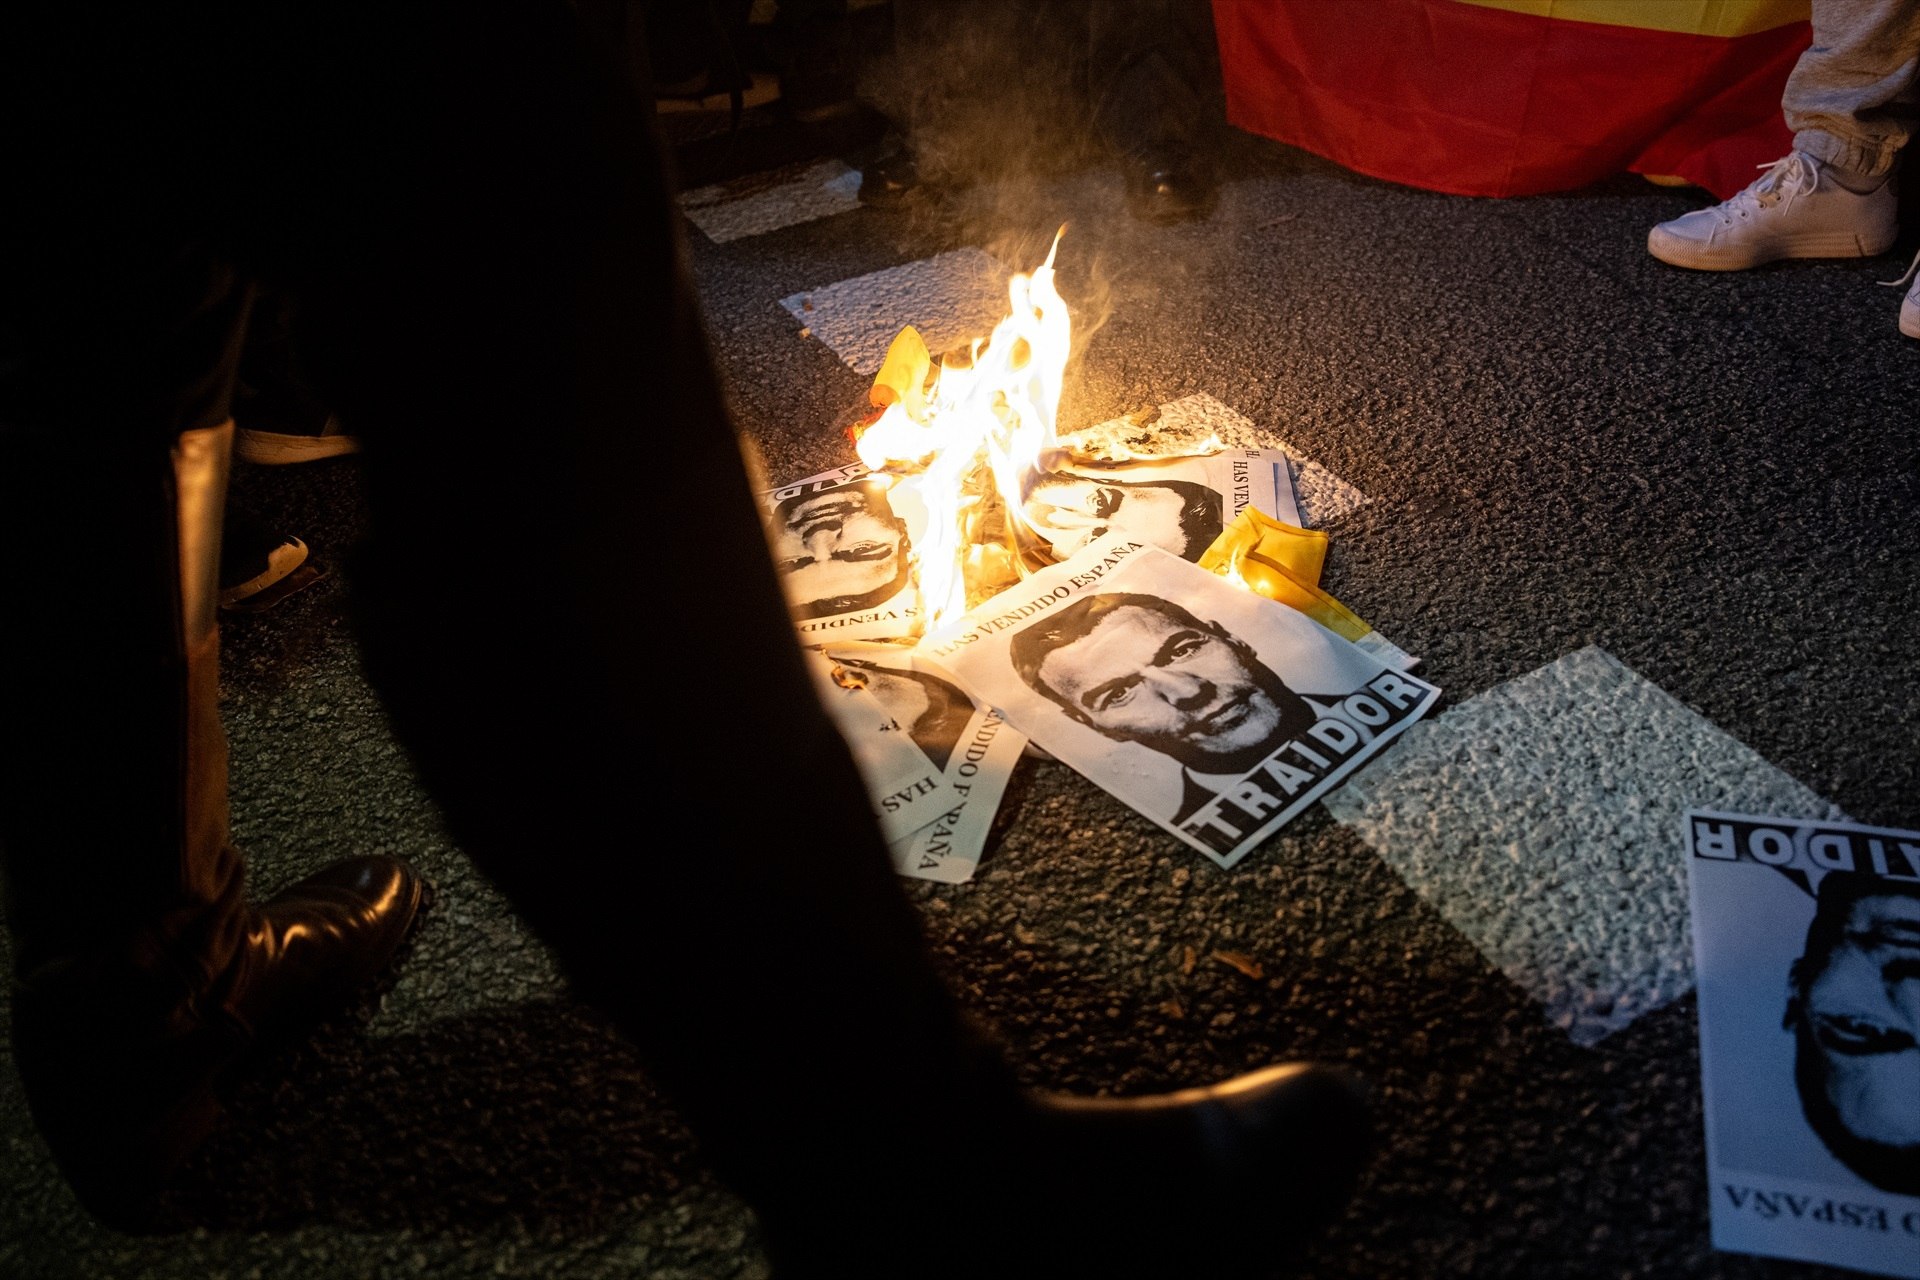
(273, 394)
(111, 508)
(124, 897)
(1152, 69)
(142, 970)
(1152, 77)
(602, 687)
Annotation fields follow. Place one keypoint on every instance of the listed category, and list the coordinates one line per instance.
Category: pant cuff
(1865, 161)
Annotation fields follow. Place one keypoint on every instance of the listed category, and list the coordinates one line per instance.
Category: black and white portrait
(1214, 711)
(841, 549)
(1180, 505)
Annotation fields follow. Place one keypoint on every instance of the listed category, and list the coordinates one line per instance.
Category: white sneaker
(1909, 305)
(1791, 211)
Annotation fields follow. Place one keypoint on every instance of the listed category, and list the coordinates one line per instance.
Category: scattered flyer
(1177, 504)
(845, 555)
(971, 743)
(1216, 712)
(1807, 951)
(906, 789)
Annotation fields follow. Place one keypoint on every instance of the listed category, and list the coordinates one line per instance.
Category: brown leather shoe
(124, 1101)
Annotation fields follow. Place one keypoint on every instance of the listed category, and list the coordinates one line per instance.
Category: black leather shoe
(1166, 186)
(1251, 1170)
(1229, 1182)
(123, 1100)
(890, 181)
(312, 947)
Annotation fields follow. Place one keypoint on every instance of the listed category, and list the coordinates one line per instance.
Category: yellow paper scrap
(903, 375)
(1282, 562)
(1299, 553)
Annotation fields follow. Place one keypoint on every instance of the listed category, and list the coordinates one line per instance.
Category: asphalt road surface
(1653, 532)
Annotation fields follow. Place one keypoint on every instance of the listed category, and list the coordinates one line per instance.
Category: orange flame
(975, 433)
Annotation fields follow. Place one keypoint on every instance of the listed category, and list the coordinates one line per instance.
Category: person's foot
(1230, 1181)
(1910, 305)
(1167, 184)
(890, 181)
(259, 566)
(124, 1094)
(310, 948)
(1794, 210)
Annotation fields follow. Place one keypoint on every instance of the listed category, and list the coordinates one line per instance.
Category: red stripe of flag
(1477, 101)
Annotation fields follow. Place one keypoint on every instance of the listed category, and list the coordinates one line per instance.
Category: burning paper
(1214, 711)
(845, 553)
(990, 492)
(973, 746)
(1193, 424)
(962, 444)
(1198, 423)
(1180, 505)
(906, 789)
(967, 514)
(1807, 948)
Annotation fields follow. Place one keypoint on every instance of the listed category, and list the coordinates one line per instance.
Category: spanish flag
(1517, 97)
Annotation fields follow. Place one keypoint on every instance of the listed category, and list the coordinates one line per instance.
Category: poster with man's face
(971, 743)
(1214, 711)
(905, 788)
(1177, 504)
(1807, 959)
(844, 552)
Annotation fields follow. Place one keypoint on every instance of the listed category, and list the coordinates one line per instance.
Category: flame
(847, 677)
(1120, 452)
(961, 448)
(1231, 572)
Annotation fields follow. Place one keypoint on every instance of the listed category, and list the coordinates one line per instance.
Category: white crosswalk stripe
(1542, 819)
(768, 202)
(951, 298)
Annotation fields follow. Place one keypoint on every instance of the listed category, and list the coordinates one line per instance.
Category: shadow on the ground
(535, 1113)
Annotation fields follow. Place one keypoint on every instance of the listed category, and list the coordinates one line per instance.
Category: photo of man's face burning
(1853, 1007)
(1069, 509)
(934, 712)
(839, 550)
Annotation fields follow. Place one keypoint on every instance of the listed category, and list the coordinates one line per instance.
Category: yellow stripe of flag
(1686, 17)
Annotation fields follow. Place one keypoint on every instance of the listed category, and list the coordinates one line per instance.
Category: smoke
(998, 99)
(988, 92)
